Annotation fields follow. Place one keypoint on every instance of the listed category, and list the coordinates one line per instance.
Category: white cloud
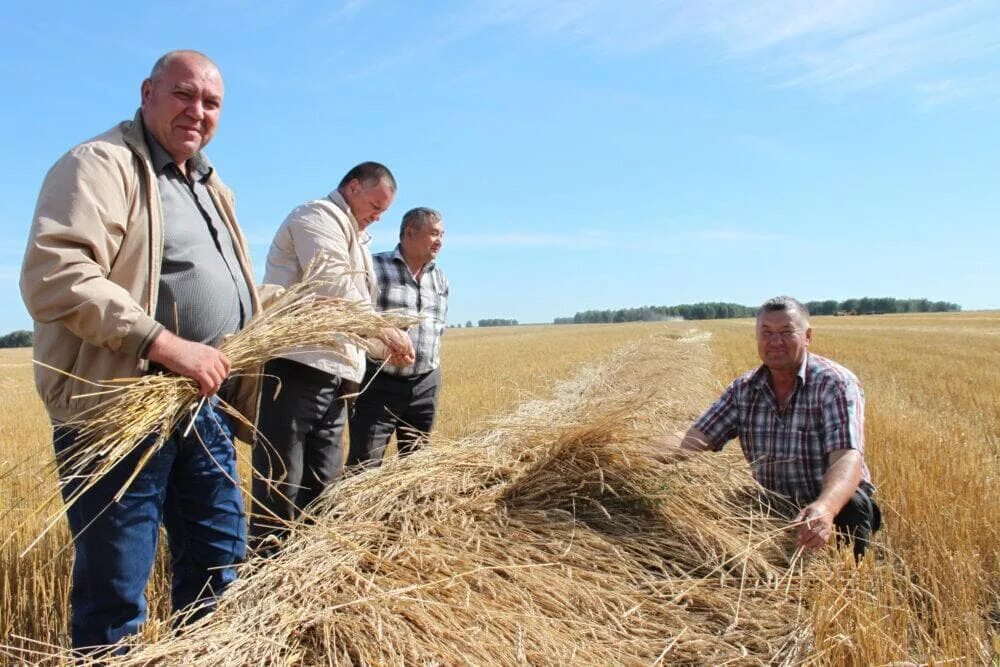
(837, 45)
(949, 91)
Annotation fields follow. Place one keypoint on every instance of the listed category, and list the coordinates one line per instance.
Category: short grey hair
(418, 217)
(784, 304)
(164, 60)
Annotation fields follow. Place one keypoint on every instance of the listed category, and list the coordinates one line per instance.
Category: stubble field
(933, 444)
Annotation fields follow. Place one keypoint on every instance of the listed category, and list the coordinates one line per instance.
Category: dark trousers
(859, 519)
(405, 406)
(298, 451)
(189, 485)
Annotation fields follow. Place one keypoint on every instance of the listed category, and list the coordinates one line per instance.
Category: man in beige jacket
(299, 452)
(135, 263)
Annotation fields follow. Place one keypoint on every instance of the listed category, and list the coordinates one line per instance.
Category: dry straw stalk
(153, 405)
(553, 538)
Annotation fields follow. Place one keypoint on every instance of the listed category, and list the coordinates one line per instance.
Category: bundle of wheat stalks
(553, 538)
(153, 405)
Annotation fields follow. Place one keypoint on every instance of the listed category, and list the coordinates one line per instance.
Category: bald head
(182, 102)
(161, 64)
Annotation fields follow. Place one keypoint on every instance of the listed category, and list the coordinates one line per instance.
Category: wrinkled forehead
(381, 189)
(192, 72)
(777, 319)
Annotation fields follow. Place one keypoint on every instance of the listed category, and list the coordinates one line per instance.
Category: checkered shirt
(788, 450)
(427, 298)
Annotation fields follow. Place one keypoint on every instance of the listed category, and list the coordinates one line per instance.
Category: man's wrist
(141, 336)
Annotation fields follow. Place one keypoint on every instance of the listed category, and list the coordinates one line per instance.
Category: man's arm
(399, 347)
(710, 432)
(391, 343)
(844, 433)
(314, 230)
(677, 446)
(79, 226)
(202, 363)
(691, 440)
(268, 294)
(839, 484)
(696, 441)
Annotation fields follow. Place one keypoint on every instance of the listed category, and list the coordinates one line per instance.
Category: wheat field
(933, 444)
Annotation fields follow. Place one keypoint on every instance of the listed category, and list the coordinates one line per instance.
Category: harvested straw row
(551, 539)
(155, 404)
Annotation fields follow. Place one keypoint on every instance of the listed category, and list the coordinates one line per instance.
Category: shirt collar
(761, 375)
(802, 369)
(398, 254)
(198, 164)
(341, 203)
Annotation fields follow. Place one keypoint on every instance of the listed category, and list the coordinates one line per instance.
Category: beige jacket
(92, 267)
(326, 226)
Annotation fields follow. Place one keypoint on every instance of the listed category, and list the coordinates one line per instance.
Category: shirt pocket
(396, 297)
(806, 438)
(807, 421)
(437, 306)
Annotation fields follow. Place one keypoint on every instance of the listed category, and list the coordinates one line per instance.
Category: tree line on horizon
(20, 338)
(497, 322)
(719, 311)
(688, 311)
(879, 306)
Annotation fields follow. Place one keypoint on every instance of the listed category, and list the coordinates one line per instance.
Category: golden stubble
(933, 443)
(932, 389)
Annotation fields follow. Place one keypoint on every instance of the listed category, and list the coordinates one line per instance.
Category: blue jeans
(189, 485)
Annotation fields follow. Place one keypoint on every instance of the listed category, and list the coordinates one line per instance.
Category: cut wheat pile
(136, 408)
(551, 539)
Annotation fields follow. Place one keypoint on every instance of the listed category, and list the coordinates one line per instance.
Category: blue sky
(586, 154)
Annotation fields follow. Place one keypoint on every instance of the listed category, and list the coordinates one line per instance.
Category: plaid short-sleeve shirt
(789, 449)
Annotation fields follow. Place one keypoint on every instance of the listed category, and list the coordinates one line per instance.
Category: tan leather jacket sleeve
(77, 232)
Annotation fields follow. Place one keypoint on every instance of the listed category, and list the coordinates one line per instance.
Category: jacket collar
(198, 165)
(143, 143)
(135, 137)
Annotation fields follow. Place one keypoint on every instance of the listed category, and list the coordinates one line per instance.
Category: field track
(933, 445)
(532, 541)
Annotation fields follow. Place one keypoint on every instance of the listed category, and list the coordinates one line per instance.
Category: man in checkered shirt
(800, 421)
(403, 399)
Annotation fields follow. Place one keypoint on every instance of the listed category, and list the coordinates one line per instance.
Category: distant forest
(17, 339)
(717, 311)
(687, 311)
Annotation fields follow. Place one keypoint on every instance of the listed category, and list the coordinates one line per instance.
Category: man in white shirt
(298, 452)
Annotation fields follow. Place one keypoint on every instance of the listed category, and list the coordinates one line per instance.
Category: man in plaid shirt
(403, 399)
(800, 421)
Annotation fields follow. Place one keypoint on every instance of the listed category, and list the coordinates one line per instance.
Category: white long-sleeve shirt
(325, 226)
